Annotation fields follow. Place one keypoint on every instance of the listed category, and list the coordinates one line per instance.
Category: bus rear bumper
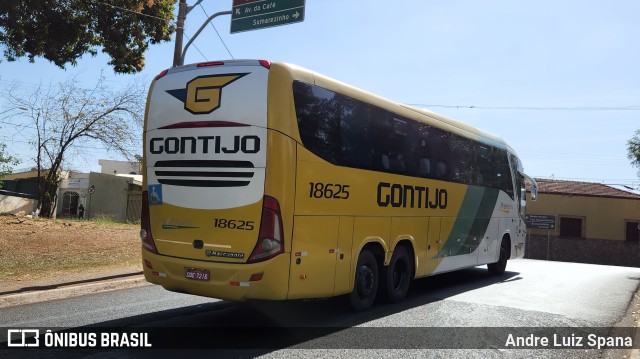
(228, 281)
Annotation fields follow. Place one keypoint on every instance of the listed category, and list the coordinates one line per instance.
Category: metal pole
(182, 15)
(91, 190)
(548, 243)
(184, 52)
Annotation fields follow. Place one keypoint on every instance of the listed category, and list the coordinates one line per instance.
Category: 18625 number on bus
(328, 190)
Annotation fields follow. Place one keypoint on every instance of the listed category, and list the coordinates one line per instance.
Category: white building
(120, 167)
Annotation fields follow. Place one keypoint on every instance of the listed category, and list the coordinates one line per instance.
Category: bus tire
(499, 267)
(396, 277)
(365, 286)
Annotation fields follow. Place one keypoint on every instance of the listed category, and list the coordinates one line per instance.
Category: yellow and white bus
(268, 181)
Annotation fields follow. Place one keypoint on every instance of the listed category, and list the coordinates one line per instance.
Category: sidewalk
(14, 292)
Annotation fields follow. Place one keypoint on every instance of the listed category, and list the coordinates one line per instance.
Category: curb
(36, 296)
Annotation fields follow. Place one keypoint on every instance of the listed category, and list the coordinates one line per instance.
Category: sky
(558, 80)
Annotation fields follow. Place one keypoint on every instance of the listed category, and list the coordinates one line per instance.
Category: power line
(194, 45)
(16, 125)
(217, 33)
(536, 108)
(103, 148)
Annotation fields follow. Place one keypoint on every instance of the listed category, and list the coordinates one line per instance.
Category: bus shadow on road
(227, 329)
(336, 311)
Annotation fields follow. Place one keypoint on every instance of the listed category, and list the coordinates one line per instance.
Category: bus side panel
(370, 230)
(280, 179)
(517, 236)
(282, 152)
(432, 261)
(414, 229)
(313, 260)
(461, 258)
(518, 239)
(490, 247)
(343, 261)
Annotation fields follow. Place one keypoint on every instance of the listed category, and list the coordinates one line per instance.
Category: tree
(62, 31)
(67, 119)
(6, 162)
(633, 150)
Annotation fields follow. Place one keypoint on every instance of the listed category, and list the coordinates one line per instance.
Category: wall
(14, 205)
(604, 226)
(604, 217)
(594, 251)
(109, 198)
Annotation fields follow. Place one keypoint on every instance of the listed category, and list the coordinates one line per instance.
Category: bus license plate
(197, 274)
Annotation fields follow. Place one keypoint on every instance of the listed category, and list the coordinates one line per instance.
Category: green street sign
(250, 15)
(540, 221)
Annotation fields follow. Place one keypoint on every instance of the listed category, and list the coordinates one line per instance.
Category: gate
(134, 207)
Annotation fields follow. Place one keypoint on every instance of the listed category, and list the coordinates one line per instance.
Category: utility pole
(183, 10)
(182, 15)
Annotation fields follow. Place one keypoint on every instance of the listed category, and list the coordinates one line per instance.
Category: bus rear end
(208, 227)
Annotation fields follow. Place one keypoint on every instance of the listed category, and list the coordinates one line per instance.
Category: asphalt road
(465, 309)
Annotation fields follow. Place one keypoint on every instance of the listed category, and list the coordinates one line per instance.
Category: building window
(571, 227)
(632, 231)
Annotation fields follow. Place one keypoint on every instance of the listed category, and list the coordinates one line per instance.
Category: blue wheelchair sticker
(155, 194)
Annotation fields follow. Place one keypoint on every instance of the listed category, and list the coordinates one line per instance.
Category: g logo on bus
(202, 94)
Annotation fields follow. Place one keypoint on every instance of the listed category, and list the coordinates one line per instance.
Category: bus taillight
(270, 241)
(145, 227)
(265, 63)
(210, 63)
(162, 73)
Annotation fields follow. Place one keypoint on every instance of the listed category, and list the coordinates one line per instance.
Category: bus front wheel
(365, 286)
(499, 267)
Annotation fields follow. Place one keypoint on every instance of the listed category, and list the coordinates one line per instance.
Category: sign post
(92, 190)
(542, 221)
(250, 15)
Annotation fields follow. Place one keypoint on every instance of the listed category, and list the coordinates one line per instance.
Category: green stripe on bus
(472, 221)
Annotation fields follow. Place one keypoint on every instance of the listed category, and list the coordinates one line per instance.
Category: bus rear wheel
(365, 286)
(396, 277)
(499, 267)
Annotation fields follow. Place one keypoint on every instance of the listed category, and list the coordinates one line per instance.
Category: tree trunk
(48, 197)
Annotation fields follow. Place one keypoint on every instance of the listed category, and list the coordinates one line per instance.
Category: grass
(36, 248)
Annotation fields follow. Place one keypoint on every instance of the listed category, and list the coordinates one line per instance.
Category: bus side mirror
(533, 186)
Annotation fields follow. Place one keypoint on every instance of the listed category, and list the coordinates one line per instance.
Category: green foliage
(62, 31)
(6, 162)
(633, 150)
